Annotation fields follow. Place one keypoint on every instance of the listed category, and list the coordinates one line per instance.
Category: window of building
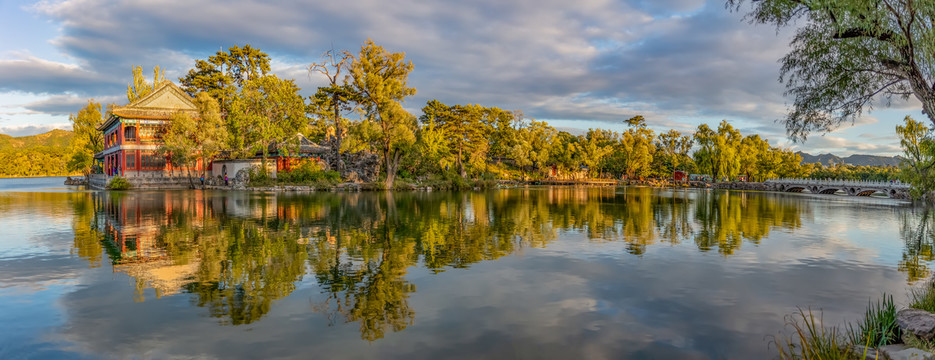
(129, 133)
(131, 161)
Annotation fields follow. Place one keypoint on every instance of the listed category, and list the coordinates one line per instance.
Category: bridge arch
(868, 192)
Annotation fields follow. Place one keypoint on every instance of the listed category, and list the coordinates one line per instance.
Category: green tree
(919, 149)
(140, 87)
(180, 142)
(379, 78)
(224, 73)
(726, 151)
(705, 156)
(636, 148)
(189, 138)
(849, 54)
(210, 130)
(672, 152)
(462, 126)
(269, 109)
(329, 101)
(87, 140)
(594, 148)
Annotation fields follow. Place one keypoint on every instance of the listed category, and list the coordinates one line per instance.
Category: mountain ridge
(53, 138)
(856, 159)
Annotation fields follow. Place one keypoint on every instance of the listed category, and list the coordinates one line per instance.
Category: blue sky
(577, 65)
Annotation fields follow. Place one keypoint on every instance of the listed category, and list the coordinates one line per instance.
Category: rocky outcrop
(361, 166)
(920, 323)
(76, 181)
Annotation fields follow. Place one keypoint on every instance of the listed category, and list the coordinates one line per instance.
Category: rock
(352, 177)
(901, 352)
(863, 352)
(75, 181)
(920, 323)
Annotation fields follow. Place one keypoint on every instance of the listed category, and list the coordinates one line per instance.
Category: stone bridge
(894, 190)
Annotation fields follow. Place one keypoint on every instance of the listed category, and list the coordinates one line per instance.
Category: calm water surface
(558, 272)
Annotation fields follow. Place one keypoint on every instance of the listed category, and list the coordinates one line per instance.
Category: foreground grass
(923, 298)
(878, 327)
(810, 339)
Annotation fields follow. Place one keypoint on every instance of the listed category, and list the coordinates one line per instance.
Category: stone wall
(154, 181)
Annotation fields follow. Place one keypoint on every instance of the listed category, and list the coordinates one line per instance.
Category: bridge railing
(837, 182)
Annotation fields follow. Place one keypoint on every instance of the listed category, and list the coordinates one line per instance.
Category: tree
(704, 156)
(565, 154)
(88, 140)
(331, 100)
(726, 151)
(636, 147)
(594, 148)
(462, 126)
(210, 129)
(849, 54)
(180, 142)
(269, 109)
(919, 148)
(188, 138)
(139, 87)
(379, 78)
(226, 72)
(672, 150)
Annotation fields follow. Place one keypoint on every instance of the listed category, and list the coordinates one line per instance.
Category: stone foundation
(148, 182)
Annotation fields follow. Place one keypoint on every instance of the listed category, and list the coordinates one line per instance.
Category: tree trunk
(460, 162)
(191, 184)
(337, 134)
(390, 167)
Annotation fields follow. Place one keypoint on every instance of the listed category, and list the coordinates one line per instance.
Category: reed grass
(923, 298)
(810, 339)
(878, 327)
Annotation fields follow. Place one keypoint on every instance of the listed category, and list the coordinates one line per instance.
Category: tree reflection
(916, 229)
(726, 218)
(237, 253)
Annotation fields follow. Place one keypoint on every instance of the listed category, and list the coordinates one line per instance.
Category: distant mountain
(859, 160)
(56, 138)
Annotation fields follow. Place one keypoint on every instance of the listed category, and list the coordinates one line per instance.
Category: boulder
(921, 323)
(902, 352)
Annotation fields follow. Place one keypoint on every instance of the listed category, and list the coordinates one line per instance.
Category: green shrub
(259, 177)
(309, 172)
(119, 183)
(878, 327)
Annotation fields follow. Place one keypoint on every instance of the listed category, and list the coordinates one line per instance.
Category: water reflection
(917, 229)
(237, 253)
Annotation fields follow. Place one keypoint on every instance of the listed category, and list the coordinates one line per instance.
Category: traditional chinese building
(133, 133)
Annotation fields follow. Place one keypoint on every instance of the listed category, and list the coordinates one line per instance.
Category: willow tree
(379, 78)
(919, 149)
(850, 54)
(637, 148)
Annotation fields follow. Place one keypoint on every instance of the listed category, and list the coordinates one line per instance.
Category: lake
(529, 272)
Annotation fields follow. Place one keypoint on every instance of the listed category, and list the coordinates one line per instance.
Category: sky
(576, 65)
